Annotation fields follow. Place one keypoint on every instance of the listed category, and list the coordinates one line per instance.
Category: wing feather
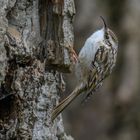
(98, 70)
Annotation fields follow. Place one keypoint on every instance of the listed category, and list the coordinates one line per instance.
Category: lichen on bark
(35, 37)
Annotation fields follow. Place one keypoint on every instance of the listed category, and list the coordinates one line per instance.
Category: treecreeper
(95, 62)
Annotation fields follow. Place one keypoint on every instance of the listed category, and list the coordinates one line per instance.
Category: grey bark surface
(35, 41)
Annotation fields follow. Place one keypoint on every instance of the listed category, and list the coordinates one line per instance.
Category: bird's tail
(64, 103)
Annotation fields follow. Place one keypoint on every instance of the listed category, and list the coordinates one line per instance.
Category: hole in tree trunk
(7, 107)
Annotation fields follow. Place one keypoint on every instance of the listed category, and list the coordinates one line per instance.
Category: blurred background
(113, 113)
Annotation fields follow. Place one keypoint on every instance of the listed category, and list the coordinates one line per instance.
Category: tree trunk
(35, 41)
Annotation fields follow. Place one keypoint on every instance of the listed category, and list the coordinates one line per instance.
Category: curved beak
(104, 23)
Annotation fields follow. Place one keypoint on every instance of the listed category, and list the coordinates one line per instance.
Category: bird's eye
(113, 36)
(106, 36)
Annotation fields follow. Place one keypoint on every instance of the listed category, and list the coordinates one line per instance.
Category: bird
(96, 61)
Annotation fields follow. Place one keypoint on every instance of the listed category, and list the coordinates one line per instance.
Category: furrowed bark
(35, 41)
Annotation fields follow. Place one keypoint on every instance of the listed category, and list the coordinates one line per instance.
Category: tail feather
(64, 103)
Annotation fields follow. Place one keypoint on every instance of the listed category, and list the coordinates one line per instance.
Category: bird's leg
(73, 54)
(63, 85)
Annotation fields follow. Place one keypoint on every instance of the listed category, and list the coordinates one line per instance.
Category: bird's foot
(73, 54)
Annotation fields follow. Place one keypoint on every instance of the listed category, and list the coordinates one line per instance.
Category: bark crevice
(33, 53)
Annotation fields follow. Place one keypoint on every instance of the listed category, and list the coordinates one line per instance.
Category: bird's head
(109, 37)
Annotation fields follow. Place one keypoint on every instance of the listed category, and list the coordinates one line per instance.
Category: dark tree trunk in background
(35, 37)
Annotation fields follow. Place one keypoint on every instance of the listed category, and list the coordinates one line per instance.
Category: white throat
(98, 35)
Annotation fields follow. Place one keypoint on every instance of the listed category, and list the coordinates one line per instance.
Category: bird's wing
(98, 67)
